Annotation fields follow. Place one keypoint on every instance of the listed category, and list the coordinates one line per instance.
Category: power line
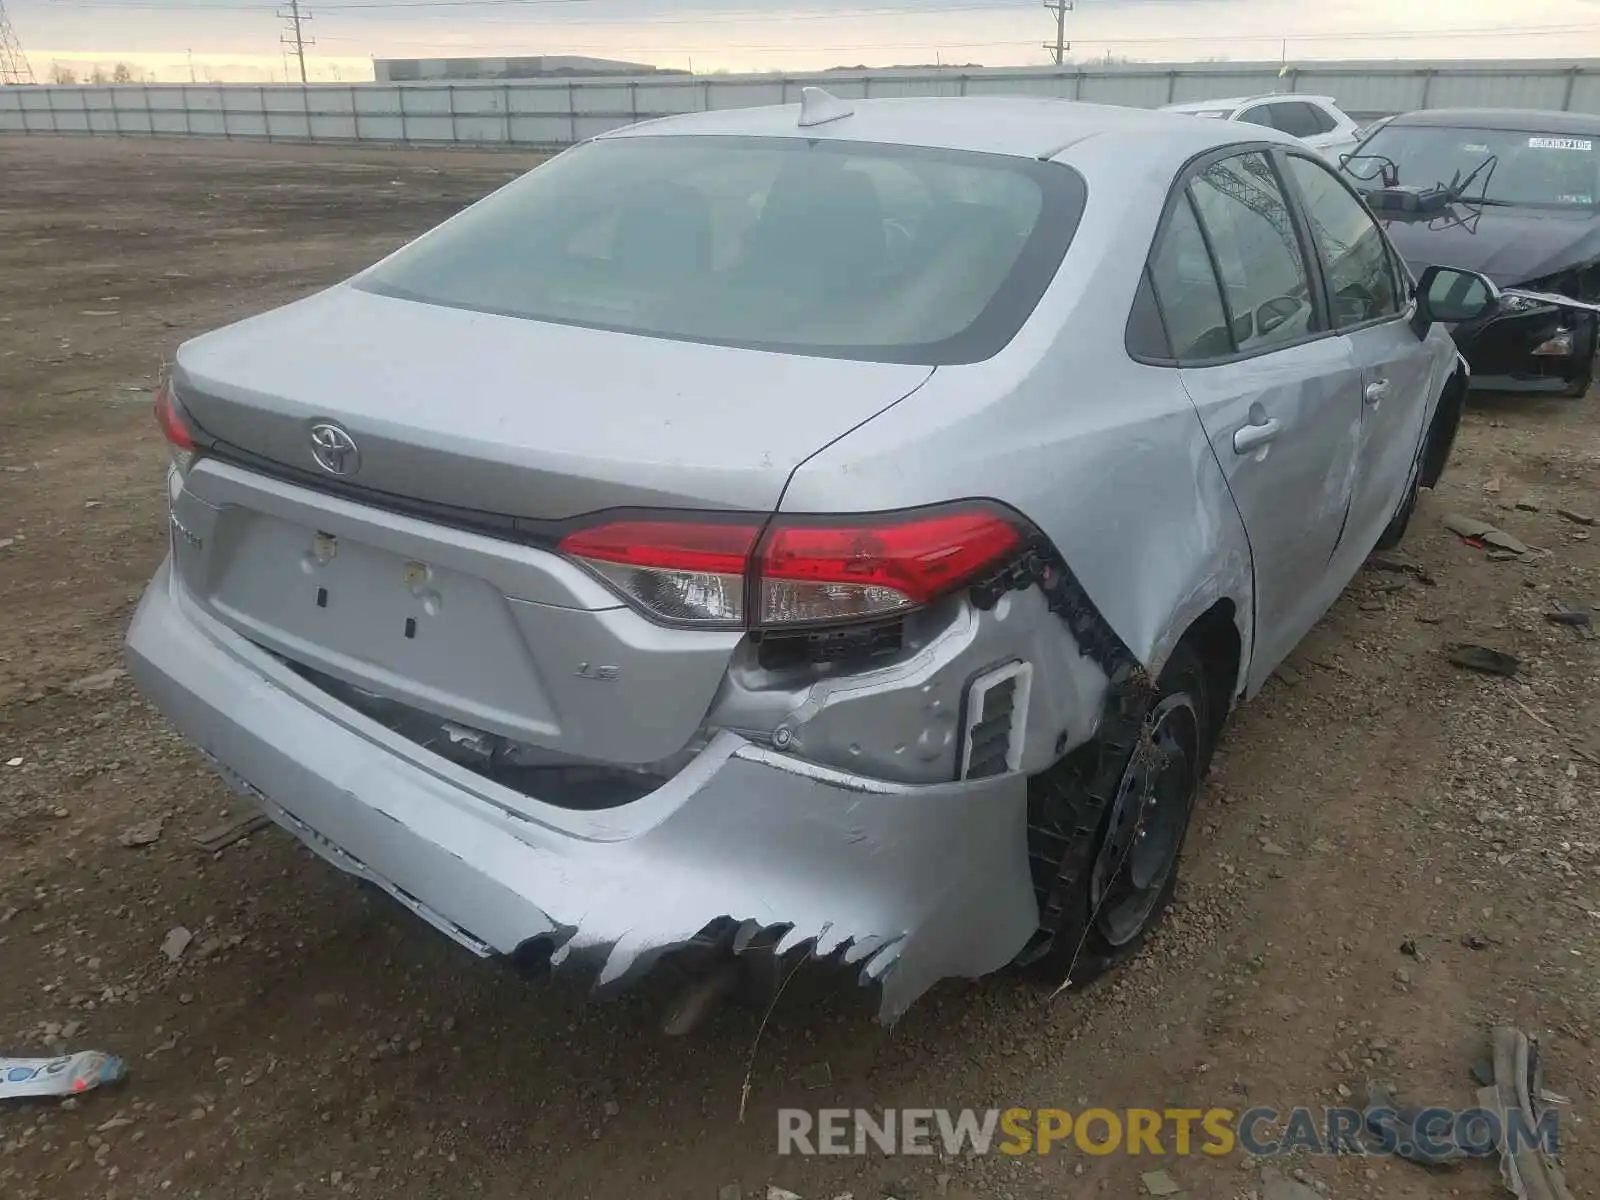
(14, 66)
(557, 46)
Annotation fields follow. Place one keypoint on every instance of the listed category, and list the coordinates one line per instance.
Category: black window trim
(1179, 190)
(1408, 304)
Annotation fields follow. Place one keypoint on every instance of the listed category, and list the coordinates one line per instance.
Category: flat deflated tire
(1108, 829)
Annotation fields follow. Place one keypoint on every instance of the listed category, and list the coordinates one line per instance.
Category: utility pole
(14, 66)
(294, 35)
(1060, 8)
(190, 53)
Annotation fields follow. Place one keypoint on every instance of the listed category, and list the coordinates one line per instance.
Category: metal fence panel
(1545, 90)
(1186, 89)
(425, 100)
(526, 112)
(384, 129)
(430, 128)
(481, 130)
(540, 131)
(1371, 95)
(1585, 93)
(667, 99)
(378, 99)
(332, 127)
(735, 94)
(283, 99)
(247, 124)
(467, 101)
(1139, 91)
(981, 84)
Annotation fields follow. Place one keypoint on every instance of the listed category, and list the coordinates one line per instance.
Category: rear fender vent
(997, 717)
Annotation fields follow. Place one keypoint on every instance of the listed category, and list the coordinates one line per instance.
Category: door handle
(1377, 391)
(1249, 437)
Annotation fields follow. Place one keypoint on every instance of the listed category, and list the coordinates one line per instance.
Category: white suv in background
(1316, 120)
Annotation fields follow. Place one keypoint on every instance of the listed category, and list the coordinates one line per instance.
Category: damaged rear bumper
(913, 883)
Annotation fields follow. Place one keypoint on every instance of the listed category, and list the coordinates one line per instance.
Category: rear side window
(1252, 237)
(1354, 257)
(1261, 114)
(1326, 121)
(1147, 336)
(833, 249)
(1302, 118)
(1186, 289)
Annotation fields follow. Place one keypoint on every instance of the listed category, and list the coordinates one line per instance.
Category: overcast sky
(239, 39)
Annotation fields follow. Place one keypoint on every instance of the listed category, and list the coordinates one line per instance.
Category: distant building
(546, 66)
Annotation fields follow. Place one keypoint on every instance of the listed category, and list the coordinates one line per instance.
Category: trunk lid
(511, 416)
(494, 416)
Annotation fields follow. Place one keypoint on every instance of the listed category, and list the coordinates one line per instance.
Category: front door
(1399, 370)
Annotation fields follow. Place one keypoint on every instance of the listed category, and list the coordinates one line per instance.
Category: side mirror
(1453, 296)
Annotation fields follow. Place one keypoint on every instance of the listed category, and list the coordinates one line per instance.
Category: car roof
(1241, 101)
(1013, 125)
(1512, 120)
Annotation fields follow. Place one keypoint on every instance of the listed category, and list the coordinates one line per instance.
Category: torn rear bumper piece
(913, 883)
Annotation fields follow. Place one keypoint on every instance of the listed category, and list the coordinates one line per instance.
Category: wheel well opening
(1441, 435)
(1214, 636)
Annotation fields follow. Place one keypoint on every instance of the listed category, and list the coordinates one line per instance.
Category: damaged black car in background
(1512, 194)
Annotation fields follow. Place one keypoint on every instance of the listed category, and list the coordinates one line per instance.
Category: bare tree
(98, 75)
(122, 73)
(62, 74)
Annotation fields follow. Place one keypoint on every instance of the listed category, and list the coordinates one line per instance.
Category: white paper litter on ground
(65, 1076)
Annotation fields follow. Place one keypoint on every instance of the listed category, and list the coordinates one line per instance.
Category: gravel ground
(1393, 853)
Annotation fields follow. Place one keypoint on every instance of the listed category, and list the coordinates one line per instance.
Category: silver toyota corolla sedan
(823, 530)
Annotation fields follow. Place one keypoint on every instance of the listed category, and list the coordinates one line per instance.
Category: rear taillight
(681, 571)
(800, 570)
(169, 415)
(815, 572)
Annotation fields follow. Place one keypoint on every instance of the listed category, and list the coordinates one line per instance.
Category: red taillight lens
(180, 441)
(806, 570)
(170, 418)
(681, 571)
(834, 571)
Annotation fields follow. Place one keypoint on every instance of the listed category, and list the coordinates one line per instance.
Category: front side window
(1252, 235)
(837, 249)
(1355, 259)
(1504, 167)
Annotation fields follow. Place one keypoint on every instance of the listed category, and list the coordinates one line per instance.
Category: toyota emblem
(335, 450)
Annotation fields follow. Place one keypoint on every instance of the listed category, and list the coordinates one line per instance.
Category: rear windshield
(1536, 170)
(833, 249)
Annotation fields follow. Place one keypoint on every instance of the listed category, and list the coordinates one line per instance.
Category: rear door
(1368, 308)
(1277, 392)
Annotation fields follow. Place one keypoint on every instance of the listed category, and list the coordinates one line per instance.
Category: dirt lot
(316, 1040)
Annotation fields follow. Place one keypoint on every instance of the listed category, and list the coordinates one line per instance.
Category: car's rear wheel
(1108, 829)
